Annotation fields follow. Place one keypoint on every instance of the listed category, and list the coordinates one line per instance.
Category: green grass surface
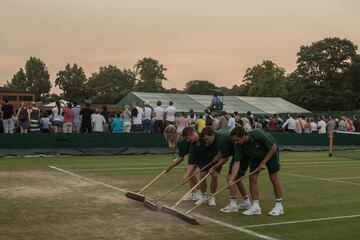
(37, 202)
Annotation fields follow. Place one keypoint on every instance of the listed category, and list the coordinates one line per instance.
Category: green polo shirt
(257, 148)
(224, 143)
(184, 147)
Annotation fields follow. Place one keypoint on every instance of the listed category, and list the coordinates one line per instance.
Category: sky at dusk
(194, 39)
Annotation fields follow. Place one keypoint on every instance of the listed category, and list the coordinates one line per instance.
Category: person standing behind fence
(159, 118)
(7, 111)
(34, 118)
(290, 124)
(126, 115)
(170, 114)
(356, 123)
(117, 124)
(105, 114)
(224, 121)
(68, 119)
(24, 118)
(86, 123)
(57, 117)
(181, 123)
(191, 119)
(147, 117)
(76, 118)
(98, 122)
(136, 114)
(45, 123)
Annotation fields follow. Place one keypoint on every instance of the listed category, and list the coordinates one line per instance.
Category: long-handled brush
(173, 211)
(152, 204)
(219, 191)
(137, 195)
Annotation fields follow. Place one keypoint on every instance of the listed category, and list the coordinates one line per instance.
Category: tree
(265, 80)
(36, 78)
(18, 81)
(319, 77)
(203, 87)
(73, 82)
(110, 84)
(352, 85)
(150, 75)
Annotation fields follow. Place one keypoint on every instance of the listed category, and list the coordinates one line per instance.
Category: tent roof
(185, 102)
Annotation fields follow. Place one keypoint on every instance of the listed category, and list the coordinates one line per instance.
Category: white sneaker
(196, 196)
(201, 199)
(253, 210)
(189, 197)
(245, 205)
(277, 210)
(230, 208)
(211, 201)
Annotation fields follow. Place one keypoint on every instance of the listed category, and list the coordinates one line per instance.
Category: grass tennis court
(83, 198)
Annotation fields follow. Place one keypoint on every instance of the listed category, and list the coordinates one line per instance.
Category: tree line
(327, 77)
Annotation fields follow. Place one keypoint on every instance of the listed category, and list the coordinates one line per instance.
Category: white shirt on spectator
(314, 127)
(231, 123)
(138, 119)
(322, 126)
(290, 123)
(159, 113)
(147, 113)
(98, 121)
(56, 115)
(170, 113)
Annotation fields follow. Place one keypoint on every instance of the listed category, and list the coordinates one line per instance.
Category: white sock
(246, 199)
(256, 203)
(278, 202)
(233, 201)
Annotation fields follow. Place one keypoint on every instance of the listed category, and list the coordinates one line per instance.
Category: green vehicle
(217, 102)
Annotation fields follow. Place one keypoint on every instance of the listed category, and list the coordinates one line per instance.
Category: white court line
(118, 169)
(234, 227)
(88, 179)
(321, 179)
(339, 178)
(164, 163)
(317, 163)
(302, 221)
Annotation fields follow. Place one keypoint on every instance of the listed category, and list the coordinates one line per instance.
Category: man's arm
(175, 163)
(234, 171)
(189, 170)
(267, 158)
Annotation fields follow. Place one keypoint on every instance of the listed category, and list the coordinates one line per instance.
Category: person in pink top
(181, 123)
(68, 119)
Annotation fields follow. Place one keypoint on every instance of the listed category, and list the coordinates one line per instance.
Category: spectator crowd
(71, 118)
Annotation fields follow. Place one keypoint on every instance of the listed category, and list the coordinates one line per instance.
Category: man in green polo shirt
(222, 141)
(261, 149)
(201, 155)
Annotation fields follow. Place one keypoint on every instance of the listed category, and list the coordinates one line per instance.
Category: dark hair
(158, 103)
(45, 114)
(117, 115)
(87, 104)
(238, 131)
(248, 113)
(207, 131)
(69, 105)
(182, 113)
(104, 108)
(75, 104)
(6, 100)
(187, 131)
(58, 106)
(171, 103)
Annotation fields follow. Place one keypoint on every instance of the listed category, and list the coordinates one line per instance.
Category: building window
(10, 98)
(26, 98)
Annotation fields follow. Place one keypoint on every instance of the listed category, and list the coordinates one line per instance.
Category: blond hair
(172, 129)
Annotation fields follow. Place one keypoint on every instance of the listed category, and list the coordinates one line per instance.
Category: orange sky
(195, 39)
